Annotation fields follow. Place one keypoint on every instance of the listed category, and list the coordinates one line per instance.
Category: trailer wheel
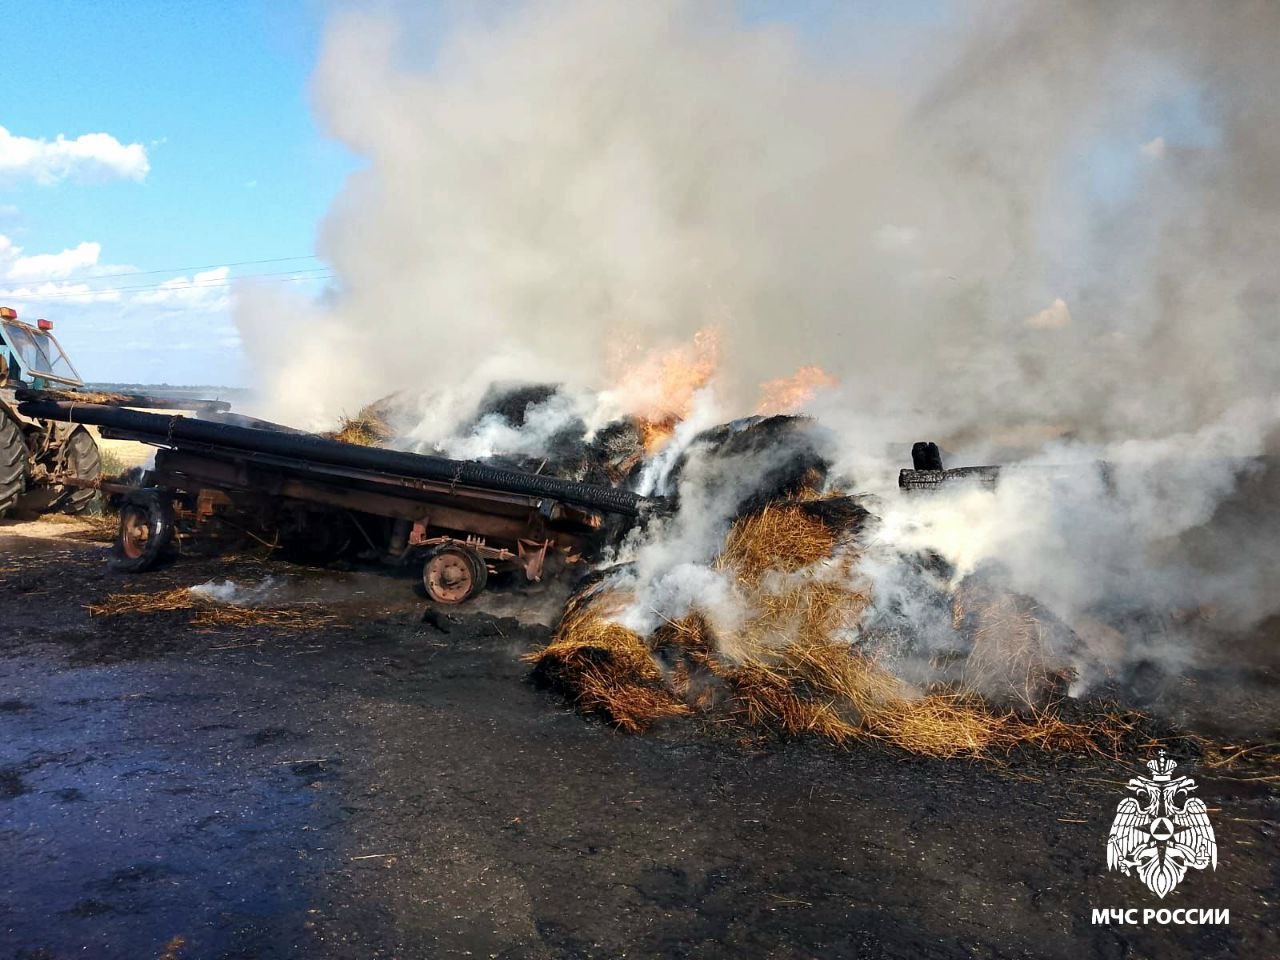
(146, 529)
(453, 574)
(13, 463)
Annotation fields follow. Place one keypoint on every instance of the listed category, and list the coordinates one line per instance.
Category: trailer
(314, 498)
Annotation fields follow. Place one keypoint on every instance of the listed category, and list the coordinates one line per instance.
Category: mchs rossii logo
(1161, 830)
(1158, 834)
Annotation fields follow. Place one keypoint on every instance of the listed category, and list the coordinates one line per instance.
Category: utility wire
(286, 276)
(150, 273)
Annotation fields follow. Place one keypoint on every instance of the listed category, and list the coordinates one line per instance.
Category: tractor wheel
(146, 529)
(453, 574)
(13, 464)
(85, 462)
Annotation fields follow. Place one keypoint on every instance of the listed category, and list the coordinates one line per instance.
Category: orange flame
(790, 394)
(658, 387)
(654, 434)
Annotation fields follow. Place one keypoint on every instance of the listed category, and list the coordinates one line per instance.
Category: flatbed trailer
(313, 497)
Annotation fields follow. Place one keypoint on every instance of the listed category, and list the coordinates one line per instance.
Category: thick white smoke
(1056, 241)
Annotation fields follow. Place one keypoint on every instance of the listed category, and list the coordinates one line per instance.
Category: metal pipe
(172, 430)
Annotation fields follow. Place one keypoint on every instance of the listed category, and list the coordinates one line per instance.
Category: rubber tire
(159, 515)
(85, 461)
(479, 571)
(13, 463)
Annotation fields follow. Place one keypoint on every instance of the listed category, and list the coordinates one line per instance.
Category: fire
(789, 394)
(654, 434)
(658, 388)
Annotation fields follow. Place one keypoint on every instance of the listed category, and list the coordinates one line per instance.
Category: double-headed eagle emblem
(1162, 830)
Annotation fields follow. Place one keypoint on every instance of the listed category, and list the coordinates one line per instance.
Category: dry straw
(368, 428)
(788, 667)
(207, 612)
(96, 527)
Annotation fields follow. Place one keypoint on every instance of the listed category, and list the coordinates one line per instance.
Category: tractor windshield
(40, 352)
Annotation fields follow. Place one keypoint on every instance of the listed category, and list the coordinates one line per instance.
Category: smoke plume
(1047, 233)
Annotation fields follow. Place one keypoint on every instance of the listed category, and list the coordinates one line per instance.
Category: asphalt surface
(388, 787)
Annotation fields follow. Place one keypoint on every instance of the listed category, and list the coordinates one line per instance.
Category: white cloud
(91, 156)
(119, 325)
(1153, 148)
(207, 289)
(53, 277)
(51, 266)
(76, 276)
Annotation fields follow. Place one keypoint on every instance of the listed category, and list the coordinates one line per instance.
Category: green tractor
(44, 466)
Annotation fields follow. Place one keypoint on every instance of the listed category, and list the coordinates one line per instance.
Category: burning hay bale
(1016, 647)
(784, 566)
(790, 665)
(208, 611)
(540, 429)
(606, 668)
(748, 464)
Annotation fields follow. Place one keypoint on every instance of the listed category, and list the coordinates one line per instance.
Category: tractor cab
(32, 355)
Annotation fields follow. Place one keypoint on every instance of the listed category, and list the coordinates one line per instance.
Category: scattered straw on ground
(97, 527)
(208, 612)
(1242, 762)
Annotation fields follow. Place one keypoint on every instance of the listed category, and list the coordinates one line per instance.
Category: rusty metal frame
(524, 529)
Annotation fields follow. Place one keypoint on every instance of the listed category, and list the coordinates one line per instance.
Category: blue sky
(214, 95)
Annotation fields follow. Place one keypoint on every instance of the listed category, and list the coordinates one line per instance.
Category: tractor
(39, 457)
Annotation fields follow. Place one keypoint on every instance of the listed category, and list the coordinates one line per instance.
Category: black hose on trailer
(172, 430)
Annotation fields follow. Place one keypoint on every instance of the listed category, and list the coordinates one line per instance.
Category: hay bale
(846, 517)
(784, 456)
(782, 539)
(1016, 647)
(785, 668)
(604, 668)
(787, 571)
(511, 401)
(764, 697)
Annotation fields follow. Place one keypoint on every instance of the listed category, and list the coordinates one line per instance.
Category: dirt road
(388, 787)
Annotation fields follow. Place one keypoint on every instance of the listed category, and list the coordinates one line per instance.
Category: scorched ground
(381, 786)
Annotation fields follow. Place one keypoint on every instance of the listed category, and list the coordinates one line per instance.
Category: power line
(150, 273)
(286, 276)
